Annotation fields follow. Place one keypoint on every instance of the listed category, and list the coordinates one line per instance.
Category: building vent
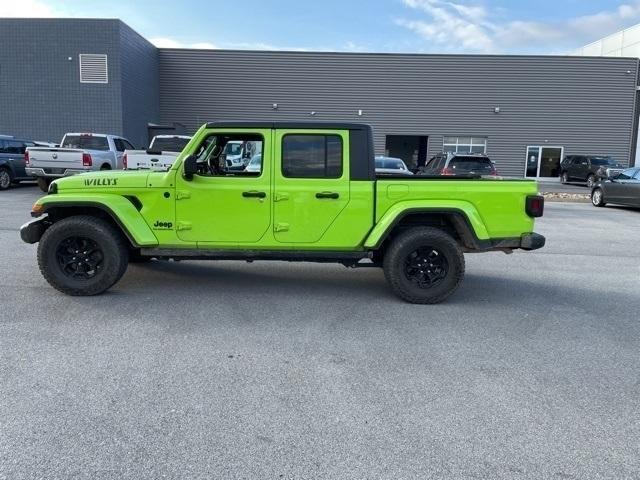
(93, 68)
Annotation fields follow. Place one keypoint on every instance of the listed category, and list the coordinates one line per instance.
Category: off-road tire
(597, 199)
(5, 179)
(44, 183)
(591, 181)
(423, 238)
(112, 245)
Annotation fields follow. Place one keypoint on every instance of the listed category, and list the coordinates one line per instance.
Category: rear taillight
(86, 160)
(534, 206)
(124, 161)
(26, 158)
(447, 171)
(493, 171)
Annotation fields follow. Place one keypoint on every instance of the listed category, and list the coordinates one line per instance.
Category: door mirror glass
(190, 167)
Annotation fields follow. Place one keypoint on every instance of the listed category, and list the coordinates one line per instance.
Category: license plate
(55, 171)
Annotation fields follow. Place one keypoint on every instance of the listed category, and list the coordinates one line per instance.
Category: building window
(93, 68)
(465, 144)
(312, 156)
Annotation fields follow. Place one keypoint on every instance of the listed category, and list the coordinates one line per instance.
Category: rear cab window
(471, 164)
(86, 142)
(169, 144)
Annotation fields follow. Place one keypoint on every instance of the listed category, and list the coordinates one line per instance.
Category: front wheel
(424, 265)
(5, 179)
(82, 255)
(597, 198)
(44, 183)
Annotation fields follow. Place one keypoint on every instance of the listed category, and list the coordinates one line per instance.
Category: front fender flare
(119, 208)
(401, 209)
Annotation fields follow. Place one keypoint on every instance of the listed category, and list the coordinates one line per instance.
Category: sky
(407, 26)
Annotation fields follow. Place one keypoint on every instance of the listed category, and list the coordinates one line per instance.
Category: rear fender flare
(398, 211)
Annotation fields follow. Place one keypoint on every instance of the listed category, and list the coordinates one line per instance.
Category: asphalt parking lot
(299, 371)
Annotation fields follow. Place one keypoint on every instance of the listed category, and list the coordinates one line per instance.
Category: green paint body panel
(210, 212)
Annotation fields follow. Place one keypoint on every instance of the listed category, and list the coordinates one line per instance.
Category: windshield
(86, 142)
(390, 163)
(471, 164)
(233, 149)
(169, 144)
(603, 161)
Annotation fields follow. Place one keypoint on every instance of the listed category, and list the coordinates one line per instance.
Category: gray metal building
(525, 111)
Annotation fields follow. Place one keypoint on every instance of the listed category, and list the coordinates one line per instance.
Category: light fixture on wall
(359, 113)
(313, 113)
(496, 110)
(274, 106)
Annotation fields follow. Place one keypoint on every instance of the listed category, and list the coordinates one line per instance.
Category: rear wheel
(597, 197)
(5, 179)
(44, 183)
(106, 166)
(424, 265)
(82, 255)
(591, 181)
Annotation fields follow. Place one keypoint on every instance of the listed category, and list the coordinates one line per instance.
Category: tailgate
(40, 157)
(141, 160)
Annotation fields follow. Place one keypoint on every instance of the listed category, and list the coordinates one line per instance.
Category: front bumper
(53, 173)
(32, 231)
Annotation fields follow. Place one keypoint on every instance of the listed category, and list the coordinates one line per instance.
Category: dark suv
(449, 163)
(588, 168)
(12, 161)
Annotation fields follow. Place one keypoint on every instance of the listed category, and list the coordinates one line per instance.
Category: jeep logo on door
(161, 225)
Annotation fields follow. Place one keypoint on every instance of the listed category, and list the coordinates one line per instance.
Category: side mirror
(190, 166)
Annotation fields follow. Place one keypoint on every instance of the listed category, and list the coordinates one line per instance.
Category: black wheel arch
(56, 212)
(452, 221)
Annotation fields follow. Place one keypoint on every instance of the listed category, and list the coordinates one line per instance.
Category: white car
(391, 166)
(162, 152)
(255, 164)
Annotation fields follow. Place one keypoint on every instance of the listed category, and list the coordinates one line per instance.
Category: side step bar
(350, 258)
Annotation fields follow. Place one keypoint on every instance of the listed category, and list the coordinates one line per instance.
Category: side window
(431, 163)
(637, 175)
(627, 174)
(311, 156)
(232, 155)
(127, 145)
(119, 144)
(16, 148)
(3, 146)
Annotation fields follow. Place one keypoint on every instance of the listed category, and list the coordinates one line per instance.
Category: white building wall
(620, 44)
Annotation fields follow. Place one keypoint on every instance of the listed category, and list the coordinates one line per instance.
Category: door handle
(333, 195)
(254, 194)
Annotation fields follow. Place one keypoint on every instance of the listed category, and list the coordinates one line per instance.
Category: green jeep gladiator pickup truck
(311, 194)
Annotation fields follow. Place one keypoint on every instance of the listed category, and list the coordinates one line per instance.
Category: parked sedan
(391, 166)
(621, 189)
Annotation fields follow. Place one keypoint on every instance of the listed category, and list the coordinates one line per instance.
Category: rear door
(14, 150)
(311, 183)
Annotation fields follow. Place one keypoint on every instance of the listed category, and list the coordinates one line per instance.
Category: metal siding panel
(41, 96)
(584, 104)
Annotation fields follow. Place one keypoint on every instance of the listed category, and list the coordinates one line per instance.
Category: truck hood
(104, 179)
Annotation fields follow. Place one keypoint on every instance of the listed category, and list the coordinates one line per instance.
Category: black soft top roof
(310, 125)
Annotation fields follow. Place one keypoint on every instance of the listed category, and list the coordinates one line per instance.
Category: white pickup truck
(78, 153)
(162, 152)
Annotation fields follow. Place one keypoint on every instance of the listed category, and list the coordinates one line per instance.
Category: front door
(223, 206)
(311, 183)
(543, 162)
